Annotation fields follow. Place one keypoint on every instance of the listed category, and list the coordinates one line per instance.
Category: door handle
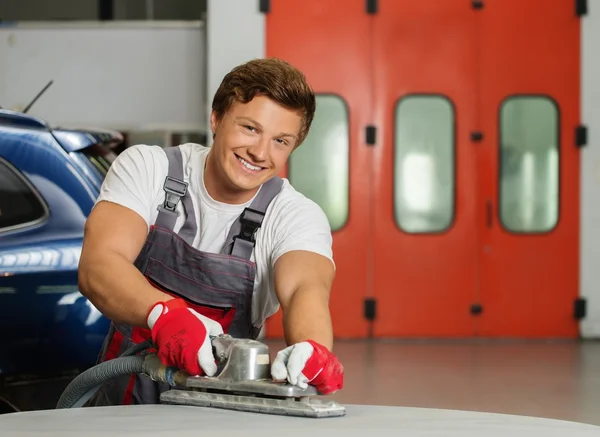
(489, 213)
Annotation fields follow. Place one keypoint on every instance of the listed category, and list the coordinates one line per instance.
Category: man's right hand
(182, 336)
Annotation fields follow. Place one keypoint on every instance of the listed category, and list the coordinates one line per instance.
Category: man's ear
(214, 122)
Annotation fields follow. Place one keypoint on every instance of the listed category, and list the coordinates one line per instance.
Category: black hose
(84, 385)
(95, 376)
(86, 396)
(92, 389)
(138, 348)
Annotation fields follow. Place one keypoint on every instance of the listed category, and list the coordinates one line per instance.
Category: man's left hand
(308, 362)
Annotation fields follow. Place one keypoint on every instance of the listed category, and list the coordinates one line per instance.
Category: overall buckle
(175, 189)
(250, 220)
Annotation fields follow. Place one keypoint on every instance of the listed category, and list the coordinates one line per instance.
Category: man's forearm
(117, 288)
(307, 317)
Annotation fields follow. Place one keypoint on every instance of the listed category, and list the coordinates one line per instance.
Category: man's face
(253, 142)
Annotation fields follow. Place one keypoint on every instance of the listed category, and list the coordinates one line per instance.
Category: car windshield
(100, 156)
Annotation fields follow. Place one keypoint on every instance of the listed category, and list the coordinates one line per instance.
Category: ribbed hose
(95, 376)
(92, 389)
(137, 348)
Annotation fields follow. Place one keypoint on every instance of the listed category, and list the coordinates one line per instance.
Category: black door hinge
(370, 308)
(476, 309)
(264, 6)
(580, 308)
(477, 4)
(372, 6)
(581, 136)
(476, 136)
(106, 10)
(371, 135)
(581, 7)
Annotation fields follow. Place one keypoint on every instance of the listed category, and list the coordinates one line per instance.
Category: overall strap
(240, 240)
(176, 189)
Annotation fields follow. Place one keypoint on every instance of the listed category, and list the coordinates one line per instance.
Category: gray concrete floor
(558, 380)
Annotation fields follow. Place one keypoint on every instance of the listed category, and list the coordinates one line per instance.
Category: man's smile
(247, 165)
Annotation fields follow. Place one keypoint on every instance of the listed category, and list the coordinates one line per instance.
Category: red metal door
(425, 178)
(329, 42)
(530, 106)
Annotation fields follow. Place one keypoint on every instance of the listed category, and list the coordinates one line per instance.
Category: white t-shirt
(292, 221)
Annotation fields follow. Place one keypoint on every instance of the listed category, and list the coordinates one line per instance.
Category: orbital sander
(243, 382)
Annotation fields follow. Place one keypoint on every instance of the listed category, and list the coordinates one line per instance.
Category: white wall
(235, 34)
(121, 75)
(590, 172)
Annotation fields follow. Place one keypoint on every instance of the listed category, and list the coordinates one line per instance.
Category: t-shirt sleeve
(301, 225)
(134, 179)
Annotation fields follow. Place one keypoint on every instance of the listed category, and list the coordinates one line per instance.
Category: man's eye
(249, 127)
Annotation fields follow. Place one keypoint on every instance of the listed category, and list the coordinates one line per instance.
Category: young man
(189, 242)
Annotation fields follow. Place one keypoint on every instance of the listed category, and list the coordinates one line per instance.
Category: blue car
(49, 180)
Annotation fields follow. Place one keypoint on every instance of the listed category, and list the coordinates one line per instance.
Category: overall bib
(217, 285)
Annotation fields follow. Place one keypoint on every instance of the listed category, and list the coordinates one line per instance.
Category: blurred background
(453, 151)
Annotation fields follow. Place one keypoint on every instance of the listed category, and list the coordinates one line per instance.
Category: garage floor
(546, 379)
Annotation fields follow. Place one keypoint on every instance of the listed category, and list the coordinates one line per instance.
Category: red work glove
(182, 337)
(306, 363)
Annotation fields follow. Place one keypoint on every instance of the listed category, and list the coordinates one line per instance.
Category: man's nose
(259, 150)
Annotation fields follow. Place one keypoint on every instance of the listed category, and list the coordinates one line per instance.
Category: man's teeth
(248, 165)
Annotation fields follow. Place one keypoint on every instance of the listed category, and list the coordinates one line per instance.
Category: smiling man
(189, 242)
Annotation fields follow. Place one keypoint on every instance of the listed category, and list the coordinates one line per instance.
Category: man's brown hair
(273, 78)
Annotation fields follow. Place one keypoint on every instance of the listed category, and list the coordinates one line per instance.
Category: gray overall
(220, 286)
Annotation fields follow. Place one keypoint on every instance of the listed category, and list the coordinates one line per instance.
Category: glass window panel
(529, 164)
(319, 167)
(100, 156)
(19, 204)
(424, 164)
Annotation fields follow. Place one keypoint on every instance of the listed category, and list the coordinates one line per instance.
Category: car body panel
(46, 325)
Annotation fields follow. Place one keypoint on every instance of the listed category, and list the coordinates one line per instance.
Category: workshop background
(454, 150)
